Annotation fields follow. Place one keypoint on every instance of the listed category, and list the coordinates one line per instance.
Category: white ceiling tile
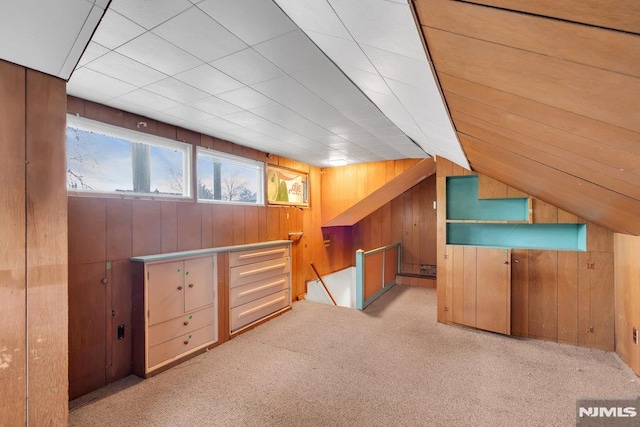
(292, 52)
(419, 103)
(331, 140)
(328, 83)
(362, 110)
(254, 21)
(314, 15)
(128, 106)
(245, 119)
(219, 124)
(87, 93)
(246, 98)
(381, 122)
(80, 44)
(208, 79)
(93, 51)
(248, 66)
(125, 69)
(100, 82)
(177, 90)
(115, 30)
(402, 68)
(152, 101)
(149, 13)
(367, 81)
(391, 131)
(344, 52)
(276, 113)
(385, 26)
(188, 113)
(215, 106)
(197, 33)
(305, 127)
(159, 54)
(48, 30)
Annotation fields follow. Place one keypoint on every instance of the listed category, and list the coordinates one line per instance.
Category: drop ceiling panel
(317, 16)
(206, 38)
(208, 79)
(402, 68)
(149, 13)
(253, 21)
(111, 87)
(246, 98)
(142, 97)
(116, 30)
(248, 67)
(158, 54)
(126, 69)
(93, 51)
(215, 106)
(177, 90)
(189, 114)
(292, 52)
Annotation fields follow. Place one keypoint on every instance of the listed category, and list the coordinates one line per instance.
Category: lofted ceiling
(244, 71)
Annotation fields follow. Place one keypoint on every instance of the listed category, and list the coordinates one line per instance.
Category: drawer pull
(186, 342)
(260, 307)
(185, 323)
(263, 269)
(263, 253)
(179, 288)
(191, 285)
(261, 288)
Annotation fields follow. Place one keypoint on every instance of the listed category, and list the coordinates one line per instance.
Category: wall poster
(287, 187)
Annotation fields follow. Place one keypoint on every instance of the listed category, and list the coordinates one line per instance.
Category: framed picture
(287, 187)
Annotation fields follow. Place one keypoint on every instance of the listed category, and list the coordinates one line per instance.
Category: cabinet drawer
(177, 346)
(247, 293)
(257, 255)
(257, 309)
(249, 273)
(180, 326)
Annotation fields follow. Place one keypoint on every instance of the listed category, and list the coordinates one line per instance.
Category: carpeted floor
(389, 365)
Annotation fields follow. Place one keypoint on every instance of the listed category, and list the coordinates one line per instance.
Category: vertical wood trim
(12, 249)
(47, 334)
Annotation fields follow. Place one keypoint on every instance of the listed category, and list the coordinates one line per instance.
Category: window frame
(244, 161)
(88, 125)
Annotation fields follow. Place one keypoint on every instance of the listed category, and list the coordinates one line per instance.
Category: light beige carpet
(390, 365)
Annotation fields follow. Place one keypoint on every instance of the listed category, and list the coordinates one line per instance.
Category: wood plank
(383, 195)
(46, 248)
(594, 203)
(597, 131)
(457, 286)
(493, 291)
(238, 224)
(610, 50)
(372, 274)
(448, 285)
(627, 298)
(599, 239)
(87, 216)
(207, 226)
(544, 213)
(223, 225)
(12, 251)
(602, 301)
(520, 292)
(147, 226)
(543, 294)
(568, 297)
(469, 285)
(121, 308)
(169, 226)
(599, 94)
(621, 15)
(189, 226)
(489, 188)
(119, 229)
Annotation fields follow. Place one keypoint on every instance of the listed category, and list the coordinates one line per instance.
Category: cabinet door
(199, 280)
(165, 291)
(493, 292)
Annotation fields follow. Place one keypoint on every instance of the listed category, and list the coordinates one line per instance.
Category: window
(227, 178)
(113, 160)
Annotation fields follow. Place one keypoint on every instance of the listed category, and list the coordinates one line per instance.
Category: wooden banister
(323, 284)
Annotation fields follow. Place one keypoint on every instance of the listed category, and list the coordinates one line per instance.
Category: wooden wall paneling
(134, 122)
(221, 145)
(12, 251)
(222, 225)
(608, 14)
(537, 77)
(372, 274)
(207, 226)
(595, 316)
(385, 225)
(119, 229)
(362, 189)
(168, 131)
(599, 239)
(428, 219)
(469, 285)
(448, 284)
(46, 248)
(147, 227)
(169, 224)
(457, 286)
(375, 227)
(273, 223)
(489, 188)
(543, 294)
(553, 37)
(75, 106)
(407, 244)
(189, 217)
(239, 225)
(390, 265)
(568, 297)
(520, 292)
(415, 227)
(87, 217)
(443, 169)
(544, 213)
(188, 136)
(262, 224)
(390, 167)
(87, 328)
(602, 133)
(120, 311)
(104, 114)
(376, 176)
(596, 203)
(223, 297)
(627, 298)
(493, 291)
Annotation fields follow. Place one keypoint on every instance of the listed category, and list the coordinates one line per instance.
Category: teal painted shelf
(463, 203)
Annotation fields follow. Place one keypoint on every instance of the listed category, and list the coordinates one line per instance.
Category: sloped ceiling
(546, 98)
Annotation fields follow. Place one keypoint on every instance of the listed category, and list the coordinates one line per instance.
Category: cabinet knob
(191, 285)
(186, 323)
(104, 281)
(186, 342)
(179, 288)
(506, 262)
